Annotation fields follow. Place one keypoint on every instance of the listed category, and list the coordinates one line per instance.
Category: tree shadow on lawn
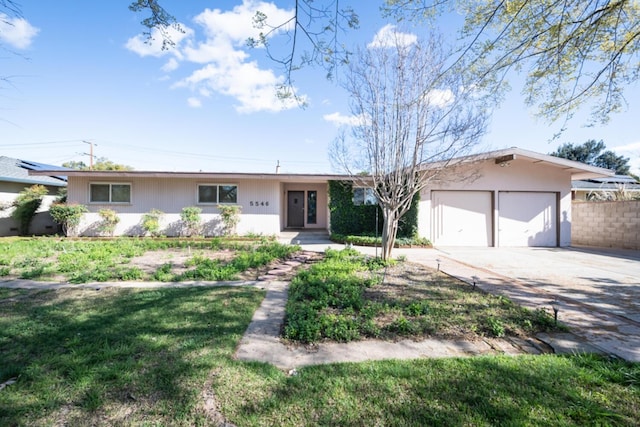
(117, 355)
(526, 390)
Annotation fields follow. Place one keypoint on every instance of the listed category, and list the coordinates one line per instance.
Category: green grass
(87, 356)
(154, 357)
(482, 391)
(100, 260)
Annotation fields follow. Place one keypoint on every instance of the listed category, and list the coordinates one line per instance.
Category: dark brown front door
(295, 209)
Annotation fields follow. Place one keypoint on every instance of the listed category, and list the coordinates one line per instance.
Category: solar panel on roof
(43, 166)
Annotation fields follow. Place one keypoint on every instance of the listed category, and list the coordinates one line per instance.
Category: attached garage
(462, 218)
(527, 218)
(510, 197)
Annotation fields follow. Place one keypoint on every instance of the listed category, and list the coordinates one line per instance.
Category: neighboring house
(509, 197)
(615, 187)
(14, 178)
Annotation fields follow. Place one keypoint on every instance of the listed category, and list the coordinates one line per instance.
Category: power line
(207, 156)
(30, 144)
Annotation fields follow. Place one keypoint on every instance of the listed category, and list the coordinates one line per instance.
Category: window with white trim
(364, 196)
(109, 192)
(209, 194)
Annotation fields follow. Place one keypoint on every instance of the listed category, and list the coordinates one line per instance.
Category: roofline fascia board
(199, 175)
(33, 181)
(578, 170)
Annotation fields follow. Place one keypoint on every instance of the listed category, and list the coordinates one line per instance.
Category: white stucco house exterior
(509, 197)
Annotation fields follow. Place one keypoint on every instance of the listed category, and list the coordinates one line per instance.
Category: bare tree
(413, 115)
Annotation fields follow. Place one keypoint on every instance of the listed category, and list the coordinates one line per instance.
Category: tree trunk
(389, 231)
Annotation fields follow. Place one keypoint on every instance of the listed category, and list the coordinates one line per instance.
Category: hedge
(350, 219)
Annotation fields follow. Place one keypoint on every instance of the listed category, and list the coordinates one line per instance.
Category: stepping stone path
(284, 270)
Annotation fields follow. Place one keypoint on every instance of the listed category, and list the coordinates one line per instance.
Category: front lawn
(116, 356)
(165, 357)
(126, 259)
(349, 296)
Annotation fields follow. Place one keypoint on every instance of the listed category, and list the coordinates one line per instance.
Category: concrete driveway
(597, 290)
(606, 280)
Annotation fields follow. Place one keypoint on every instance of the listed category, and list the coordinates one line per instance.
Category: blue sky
(79, 73)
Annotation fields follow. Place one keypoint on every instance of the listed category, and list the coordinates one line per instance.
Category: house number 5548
(258, 203)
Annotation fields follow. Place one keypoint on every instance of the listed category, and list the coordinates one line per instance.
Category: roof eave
(577, 170)
(33, 181)
(200, 175)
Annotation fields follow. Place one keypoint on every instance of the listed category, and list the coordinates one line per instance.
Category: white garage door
(527, 219)
(462, 218)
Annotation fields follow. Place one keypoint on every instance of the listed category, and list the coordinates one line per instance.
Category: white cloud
(339, 119)
(634, 146)
(153, 47)
(440, 98)
(237, 25)
(253, 87)
(228, 70)
(632, 151)
(194, 102)
(225, 65)
(171, 65)
(388, 36)
(16, 32)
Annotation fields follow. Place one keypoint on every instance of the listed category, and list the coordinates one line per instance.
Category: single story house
(14, 178)
(605, 188)
(510, 197)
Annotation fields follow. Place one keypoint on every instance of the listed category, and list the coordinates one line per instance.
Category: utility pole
(90, 154)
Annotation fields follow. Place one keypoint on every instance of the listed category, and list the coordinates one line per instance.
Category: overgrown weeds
(349, 297)
(80, 261)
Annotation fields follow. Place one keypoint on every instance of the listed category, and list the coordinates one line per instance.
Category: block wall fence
(606, 224)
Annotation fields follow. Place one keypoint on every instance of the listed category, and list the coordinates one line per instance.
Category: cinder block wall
(606, 224)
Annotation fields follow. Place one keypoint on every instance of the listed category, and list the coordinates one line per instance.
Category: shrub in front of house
(68, 216)
(26, 205)
(191, 220)
(151, 222)
(373, 240)
(230, 216)
(109, 221)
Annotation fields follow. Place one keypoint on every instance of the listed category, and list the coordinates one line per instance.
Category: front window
(217, 193)
(364, 196)
(109, 193)
(228, 193)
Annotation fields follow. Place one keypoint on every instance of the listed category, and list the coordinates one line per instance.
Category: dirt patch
(179, 259)
(151, 261)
